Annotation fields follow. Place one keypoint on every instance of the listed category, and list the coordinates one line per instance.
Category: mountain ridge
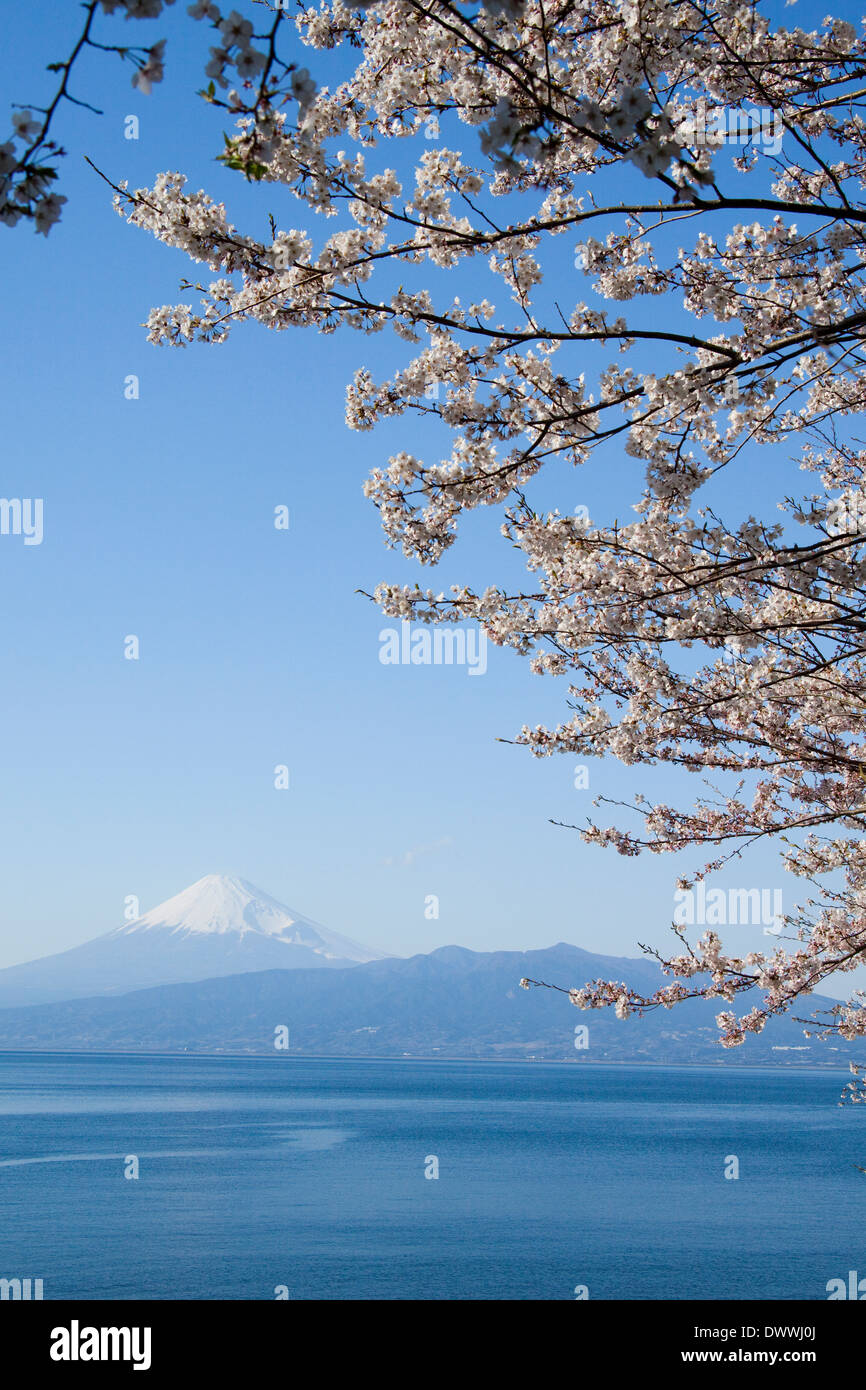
(434, 1005)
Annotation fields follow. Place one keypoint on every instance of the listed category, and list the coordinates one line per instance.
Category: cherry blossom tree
(696, 172)
(29, 158)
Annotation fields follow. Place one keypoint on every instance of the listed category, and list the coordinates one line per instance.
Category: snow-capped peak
(221, 905)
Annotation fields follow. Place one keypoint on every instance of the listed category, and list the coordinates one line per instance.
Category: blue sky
(137, 777)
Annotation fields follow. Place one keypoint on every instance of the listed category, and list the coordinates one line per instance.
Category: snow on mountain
(217, 905)
(218, 926)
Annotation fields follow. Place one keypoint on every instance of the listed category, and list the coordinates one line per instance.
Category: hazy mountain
(218, 926)
(453, 1002)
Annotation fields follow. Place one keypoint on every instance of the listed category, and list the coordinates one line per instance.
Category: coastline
(720, 1066)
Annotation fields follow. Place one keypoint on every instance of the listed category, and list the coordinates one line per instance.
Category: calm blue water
(310, 1174)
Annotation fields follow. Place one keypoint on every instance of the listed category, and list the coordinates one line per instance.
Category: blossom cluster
(25, 176)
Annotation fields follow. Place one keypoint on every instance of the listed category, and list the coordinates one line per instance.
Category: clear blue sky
(124, 777)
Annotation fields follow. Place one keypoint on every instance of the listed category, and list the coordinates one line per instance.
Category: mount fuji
(218, 926)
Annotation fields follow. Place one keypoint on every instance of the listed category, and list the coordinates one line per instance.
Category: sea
(190, 1177)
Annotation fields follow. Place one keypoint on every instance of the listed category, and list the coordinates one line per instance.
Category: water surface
(310, 1174)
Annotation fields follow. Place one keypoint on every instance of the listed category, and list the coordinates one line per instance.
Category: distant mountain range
(450, 1003)
(218, 926)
